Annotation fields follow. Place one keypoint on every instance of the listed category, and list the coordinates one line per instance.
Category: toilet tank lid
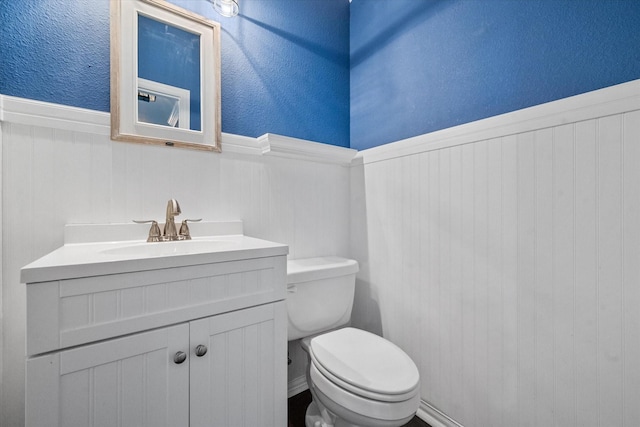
(307, 269)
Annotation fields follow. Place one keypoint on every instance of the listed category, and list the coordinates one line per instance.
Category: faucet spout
(173, 210)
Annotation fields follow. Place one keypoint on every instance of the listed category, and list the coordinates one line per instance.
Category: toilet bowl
(356, 378)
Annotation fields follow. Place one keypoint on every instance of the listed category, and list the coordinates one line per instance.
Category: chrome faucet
(169, 234)
(173, 210)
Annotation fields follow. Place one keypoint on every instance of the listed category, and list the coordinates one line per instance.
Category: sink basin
(181, 247)
(102, 249)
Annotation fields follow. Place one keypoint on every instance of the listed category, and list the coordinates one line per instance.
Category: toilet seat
(365, 364)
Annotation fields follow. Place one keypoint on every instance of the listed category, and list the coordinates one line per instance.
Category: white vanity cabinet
(129, 381)
(191, 345)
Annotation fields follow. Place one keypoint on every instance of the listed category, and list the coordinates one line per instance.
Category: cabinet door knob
(179, 357)
(201, 350)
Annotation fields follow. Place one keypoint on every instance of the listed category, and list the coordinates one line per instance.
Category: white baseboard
(296, 386)
(434, 417)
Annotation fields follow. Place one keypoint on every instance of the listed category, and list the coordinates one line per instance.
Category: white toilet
(356, 378)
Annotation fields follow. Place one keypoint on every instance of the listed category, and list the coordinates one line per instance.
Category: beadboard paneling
(52, 176)
(508, 269)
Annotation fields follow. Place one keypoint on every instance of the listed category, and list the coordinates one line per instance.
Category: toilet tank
(319, 294)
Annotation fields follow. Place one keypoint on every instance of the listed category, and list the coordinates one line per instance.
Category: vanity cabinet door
(241, 379)
(129, 381)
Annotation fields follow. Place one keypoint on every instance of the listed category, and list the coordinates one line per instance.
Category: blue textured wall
(422, 65)
(416, 65)
(56, 51)
(285, 63)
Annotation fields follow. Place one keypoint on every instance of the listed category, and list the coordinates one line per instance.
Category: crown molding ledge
(618, 99)
(239, 144)
(44, 114)
(285, 146)
(56, 116)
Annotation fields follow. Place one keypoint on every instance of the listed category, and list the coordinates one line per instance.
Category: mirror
(165, 75)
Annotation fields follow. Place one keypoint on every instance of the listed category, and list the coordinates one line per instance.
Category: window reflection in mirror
(163, 105)
(168, 75)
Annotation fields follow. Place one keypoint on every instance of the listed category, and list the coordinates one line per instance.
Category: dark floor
(297, 406)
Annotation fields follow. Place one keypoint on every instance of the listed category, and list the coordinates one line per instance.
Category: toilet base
(324, 412)
(313, 418)
(317, 418)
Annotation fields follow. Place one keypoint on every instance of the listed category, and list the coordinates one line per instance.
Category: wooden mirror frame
(124, 76)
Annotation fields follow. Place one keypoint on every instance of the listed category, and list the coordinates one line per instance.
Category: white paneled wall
(53, 174)
(504, 257)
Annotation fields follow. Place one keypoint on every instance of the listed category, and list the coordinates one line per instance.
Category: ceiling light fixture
(228, 8)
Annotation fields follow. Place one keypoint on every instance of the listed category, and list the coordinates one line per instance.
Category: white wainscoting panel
(59, 167)
(509, 267)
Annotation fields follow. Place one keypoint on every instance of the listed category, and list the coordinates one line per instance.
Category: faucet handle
(154, 231)
(184, 229)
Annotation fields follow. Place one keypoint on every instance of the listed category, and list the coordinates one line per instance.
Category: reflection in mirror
(165, 75)
(163, 105)
(170, 56)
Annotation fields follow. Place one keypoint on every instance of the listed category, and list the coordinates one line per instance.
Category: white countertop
(75, 260)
